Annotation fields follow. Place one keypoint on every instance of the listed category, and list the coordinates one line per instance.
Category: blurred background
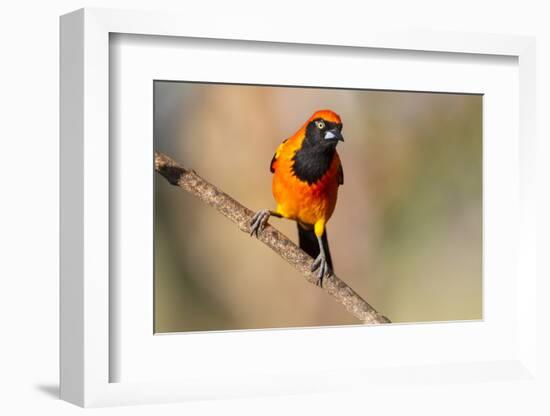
(406, 233)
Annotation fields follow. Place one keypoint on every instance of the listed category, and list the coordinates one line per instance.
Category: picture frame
(87, 302)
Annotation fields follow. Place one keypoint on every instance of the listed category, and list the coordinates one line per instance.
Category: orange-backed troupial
(306, 175)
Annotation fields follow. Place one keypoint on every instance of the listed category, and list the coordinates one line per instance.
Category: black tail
(308, 243)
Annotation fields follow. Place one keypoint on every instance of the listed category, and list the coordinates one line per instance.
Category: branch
(270, 236)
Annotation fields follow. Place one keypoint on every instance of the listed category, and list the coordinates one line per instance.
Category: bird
(307, 173)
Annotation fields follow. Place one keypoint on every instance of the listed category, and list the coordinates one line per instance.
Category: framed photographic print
(235, 224)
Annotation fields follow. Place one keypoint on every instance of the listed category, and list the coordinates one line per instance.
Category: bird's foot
(258, 221)
(323, 270)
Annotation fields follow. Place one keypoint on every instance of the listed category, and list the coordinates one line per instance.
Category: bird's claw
(320, 264)
(258, 221)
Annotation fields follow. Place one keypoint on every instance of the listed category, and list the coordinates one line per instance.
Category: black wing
(340, 175)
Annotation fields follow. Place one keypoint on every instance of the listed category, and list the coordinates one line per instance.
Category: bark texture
(189, 181)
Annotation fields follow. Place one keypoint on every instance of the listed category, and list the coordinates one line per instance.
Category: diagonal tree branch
(270, 236)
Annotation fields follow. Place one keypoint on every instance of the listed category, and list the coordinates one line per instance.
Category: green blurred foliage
(406, 233)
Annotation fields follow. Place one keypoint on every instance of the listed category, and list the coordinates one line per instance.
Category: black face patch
(313, 160)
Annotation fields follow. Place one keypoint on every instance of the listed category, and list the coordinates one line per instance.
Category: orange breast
(298, 200)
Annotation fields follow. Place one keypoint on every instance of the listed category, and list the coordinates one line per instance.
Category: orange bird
(306, 175)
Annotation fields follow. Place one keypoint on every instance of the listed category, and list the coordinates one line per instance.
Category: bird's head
(324, 129)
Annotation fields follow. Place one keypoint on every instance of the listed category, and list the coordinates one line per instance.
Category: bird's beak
(334, 134)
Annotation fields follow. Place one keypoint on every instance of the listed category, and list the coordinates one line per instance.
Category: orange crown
(327, 115)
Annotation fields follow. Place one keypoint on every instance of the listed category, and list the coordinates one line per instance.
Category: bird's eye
(320, 124)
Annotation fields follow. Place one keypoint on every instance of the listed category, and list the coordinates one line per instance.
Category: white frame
(85, 199)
